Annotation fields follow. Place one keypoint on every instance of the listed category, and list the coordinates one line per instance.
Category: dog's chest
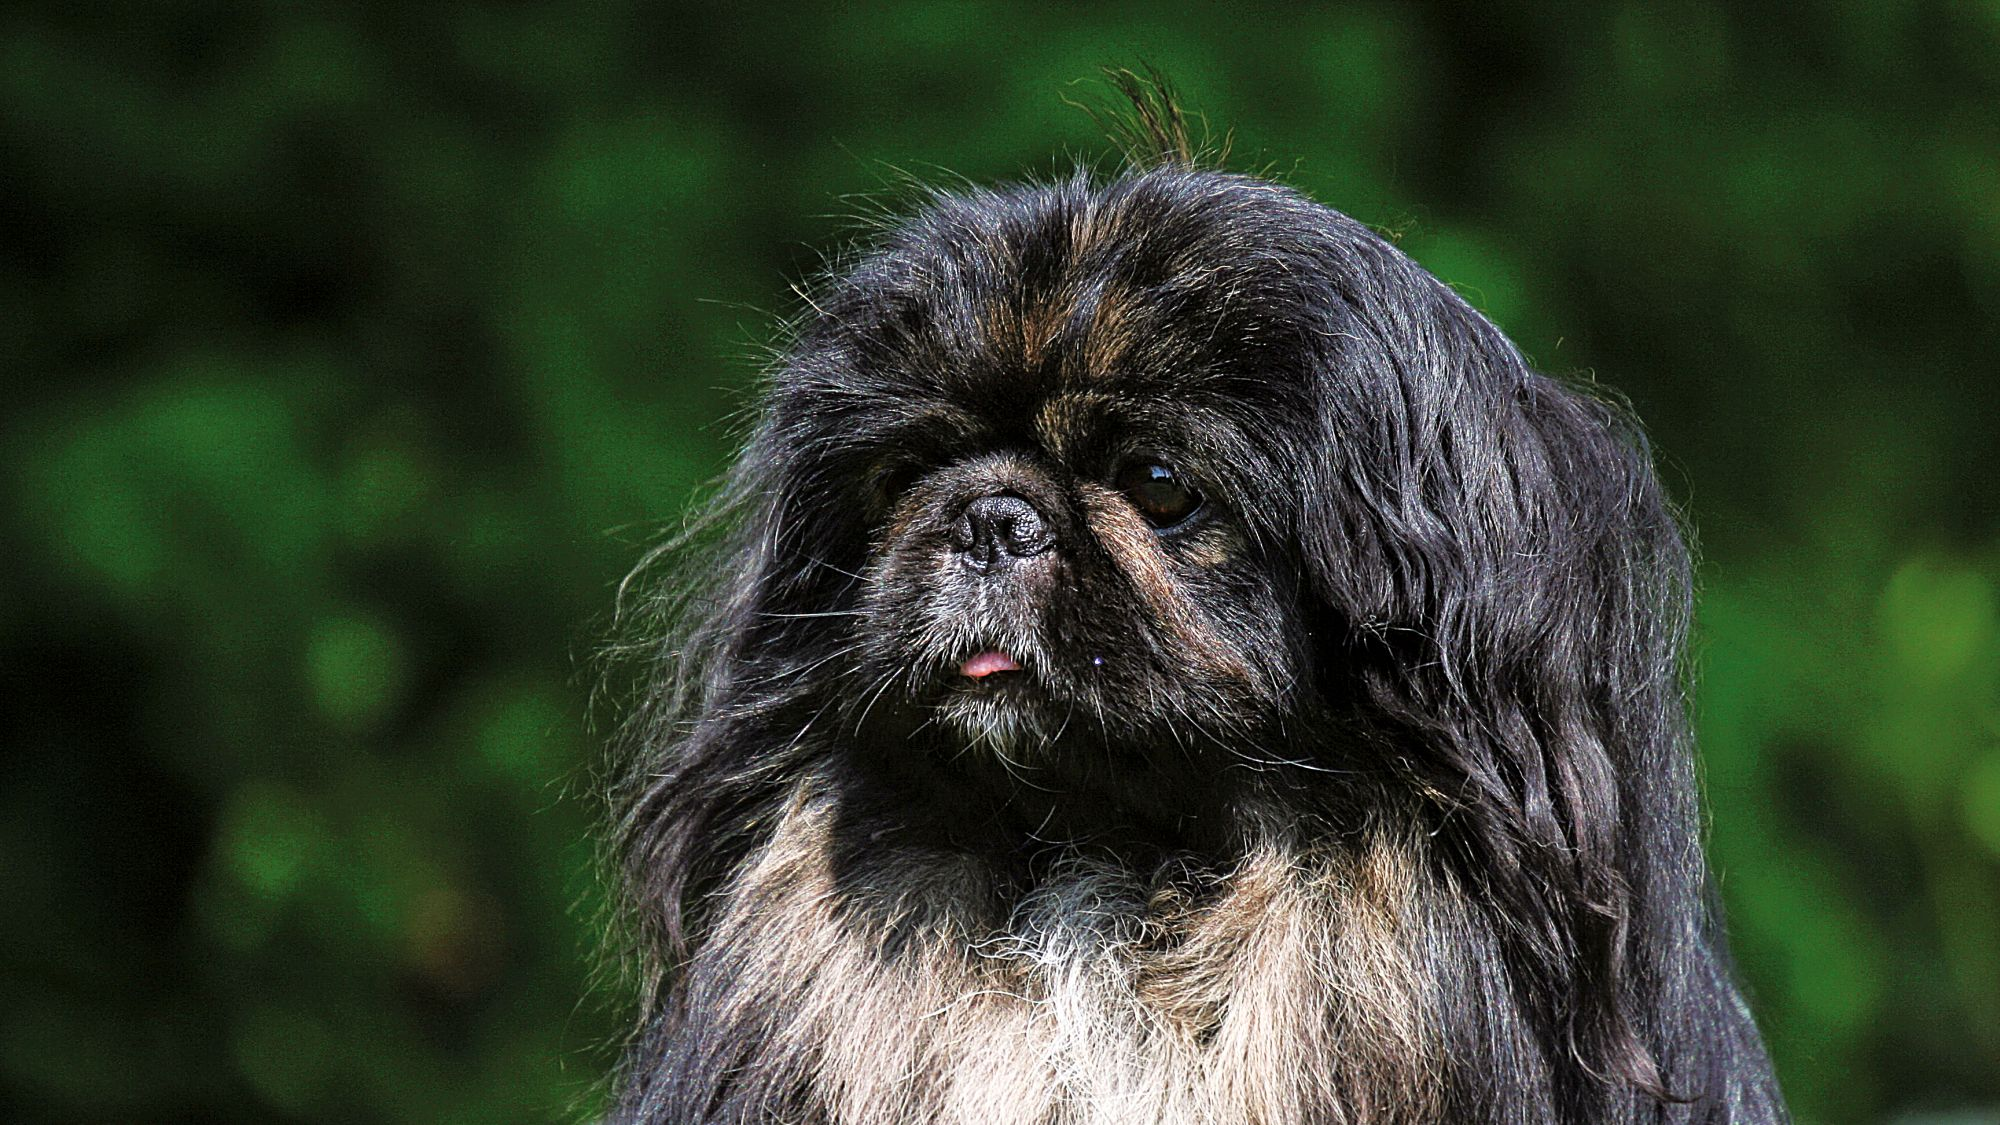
(1291, 995)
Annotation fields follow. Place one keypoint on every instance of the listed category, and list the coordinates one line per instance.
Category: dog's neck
(1180, 799)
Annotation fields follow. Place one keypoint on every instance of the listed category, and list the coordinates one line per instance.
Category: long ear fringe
(683, 616)
(1521, 583)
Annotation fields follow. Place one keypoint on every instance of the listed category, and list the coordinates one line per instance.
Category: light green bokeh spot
(1935, 618)
(356, 667)
(382, 483)
(1981, 797)
(269, 837)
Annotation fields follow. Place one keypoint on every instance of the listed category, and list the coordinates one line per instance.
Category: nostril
(1026, 534)
(994, 528)
(963, 535)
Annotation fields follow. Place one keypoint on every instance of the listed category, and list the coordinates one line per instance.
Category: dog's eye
(896, 480)
(1158, 492)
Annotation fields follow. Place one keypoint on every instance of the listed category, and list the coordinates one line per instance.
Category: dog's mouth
(989, 665)
(993, 697)
(992, 673)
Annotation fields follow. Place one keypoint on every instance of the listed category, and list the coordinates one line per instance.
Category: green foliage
(352, 359)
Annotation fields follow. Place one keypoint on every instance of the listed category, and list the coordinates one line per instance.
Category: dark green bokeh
(351, 359)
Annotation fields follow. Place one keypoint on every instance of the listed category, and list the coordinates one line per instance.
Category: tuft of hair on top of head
(1147, 123)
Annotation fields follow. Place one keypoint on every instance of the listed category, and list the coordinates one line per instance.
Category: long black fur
(1464, 597)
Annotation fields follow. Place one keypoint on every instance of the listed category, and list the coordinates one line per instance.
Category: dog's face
(1058, 450)
(1090, 572)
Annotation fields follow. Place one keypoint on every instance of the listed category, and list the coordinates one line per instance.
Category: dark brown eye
(1158, 492)
(896, 480)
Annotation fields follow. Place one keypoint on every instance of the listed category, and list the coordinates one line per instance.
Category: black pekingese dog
(1163, 657)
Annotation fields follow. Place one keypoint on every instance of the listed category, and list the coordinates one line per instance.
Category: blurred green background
(351, 357)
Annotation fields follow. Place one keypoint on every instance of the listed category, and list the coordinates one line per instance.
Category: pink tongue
(987, 663)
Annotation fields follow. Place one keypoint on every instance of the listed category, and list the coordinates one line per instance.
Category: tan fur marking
(1214, 547)
(1041, 322)
(1110, 335)
(1057, 422)
(1290, 995)
(1135, 548)
(1062, 421)
(1086, 228)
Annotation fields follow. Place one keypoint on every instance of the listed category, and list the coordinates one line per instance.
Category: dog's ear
(1508, 590)
(732, 610)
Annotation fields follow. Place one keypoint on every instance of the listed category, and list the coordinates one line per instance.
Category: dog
(1163, 657)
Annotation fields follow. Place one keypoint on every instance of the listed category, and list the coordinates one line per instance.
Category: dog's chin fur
(993, 725)
(1362, 794)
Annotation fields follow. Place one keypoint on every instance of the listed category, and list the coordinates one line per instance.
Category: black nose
(996, 530)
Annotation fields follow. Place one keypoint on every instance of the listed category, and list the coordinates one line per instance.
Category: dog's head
(1082, 420)
(1065, 436)
(1184, 452)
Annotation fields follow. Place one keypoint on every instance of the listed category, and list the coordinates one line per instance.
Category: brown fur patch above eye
(1041, 323)
(1112, 332)
(1063, 421)
(1134, 547)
